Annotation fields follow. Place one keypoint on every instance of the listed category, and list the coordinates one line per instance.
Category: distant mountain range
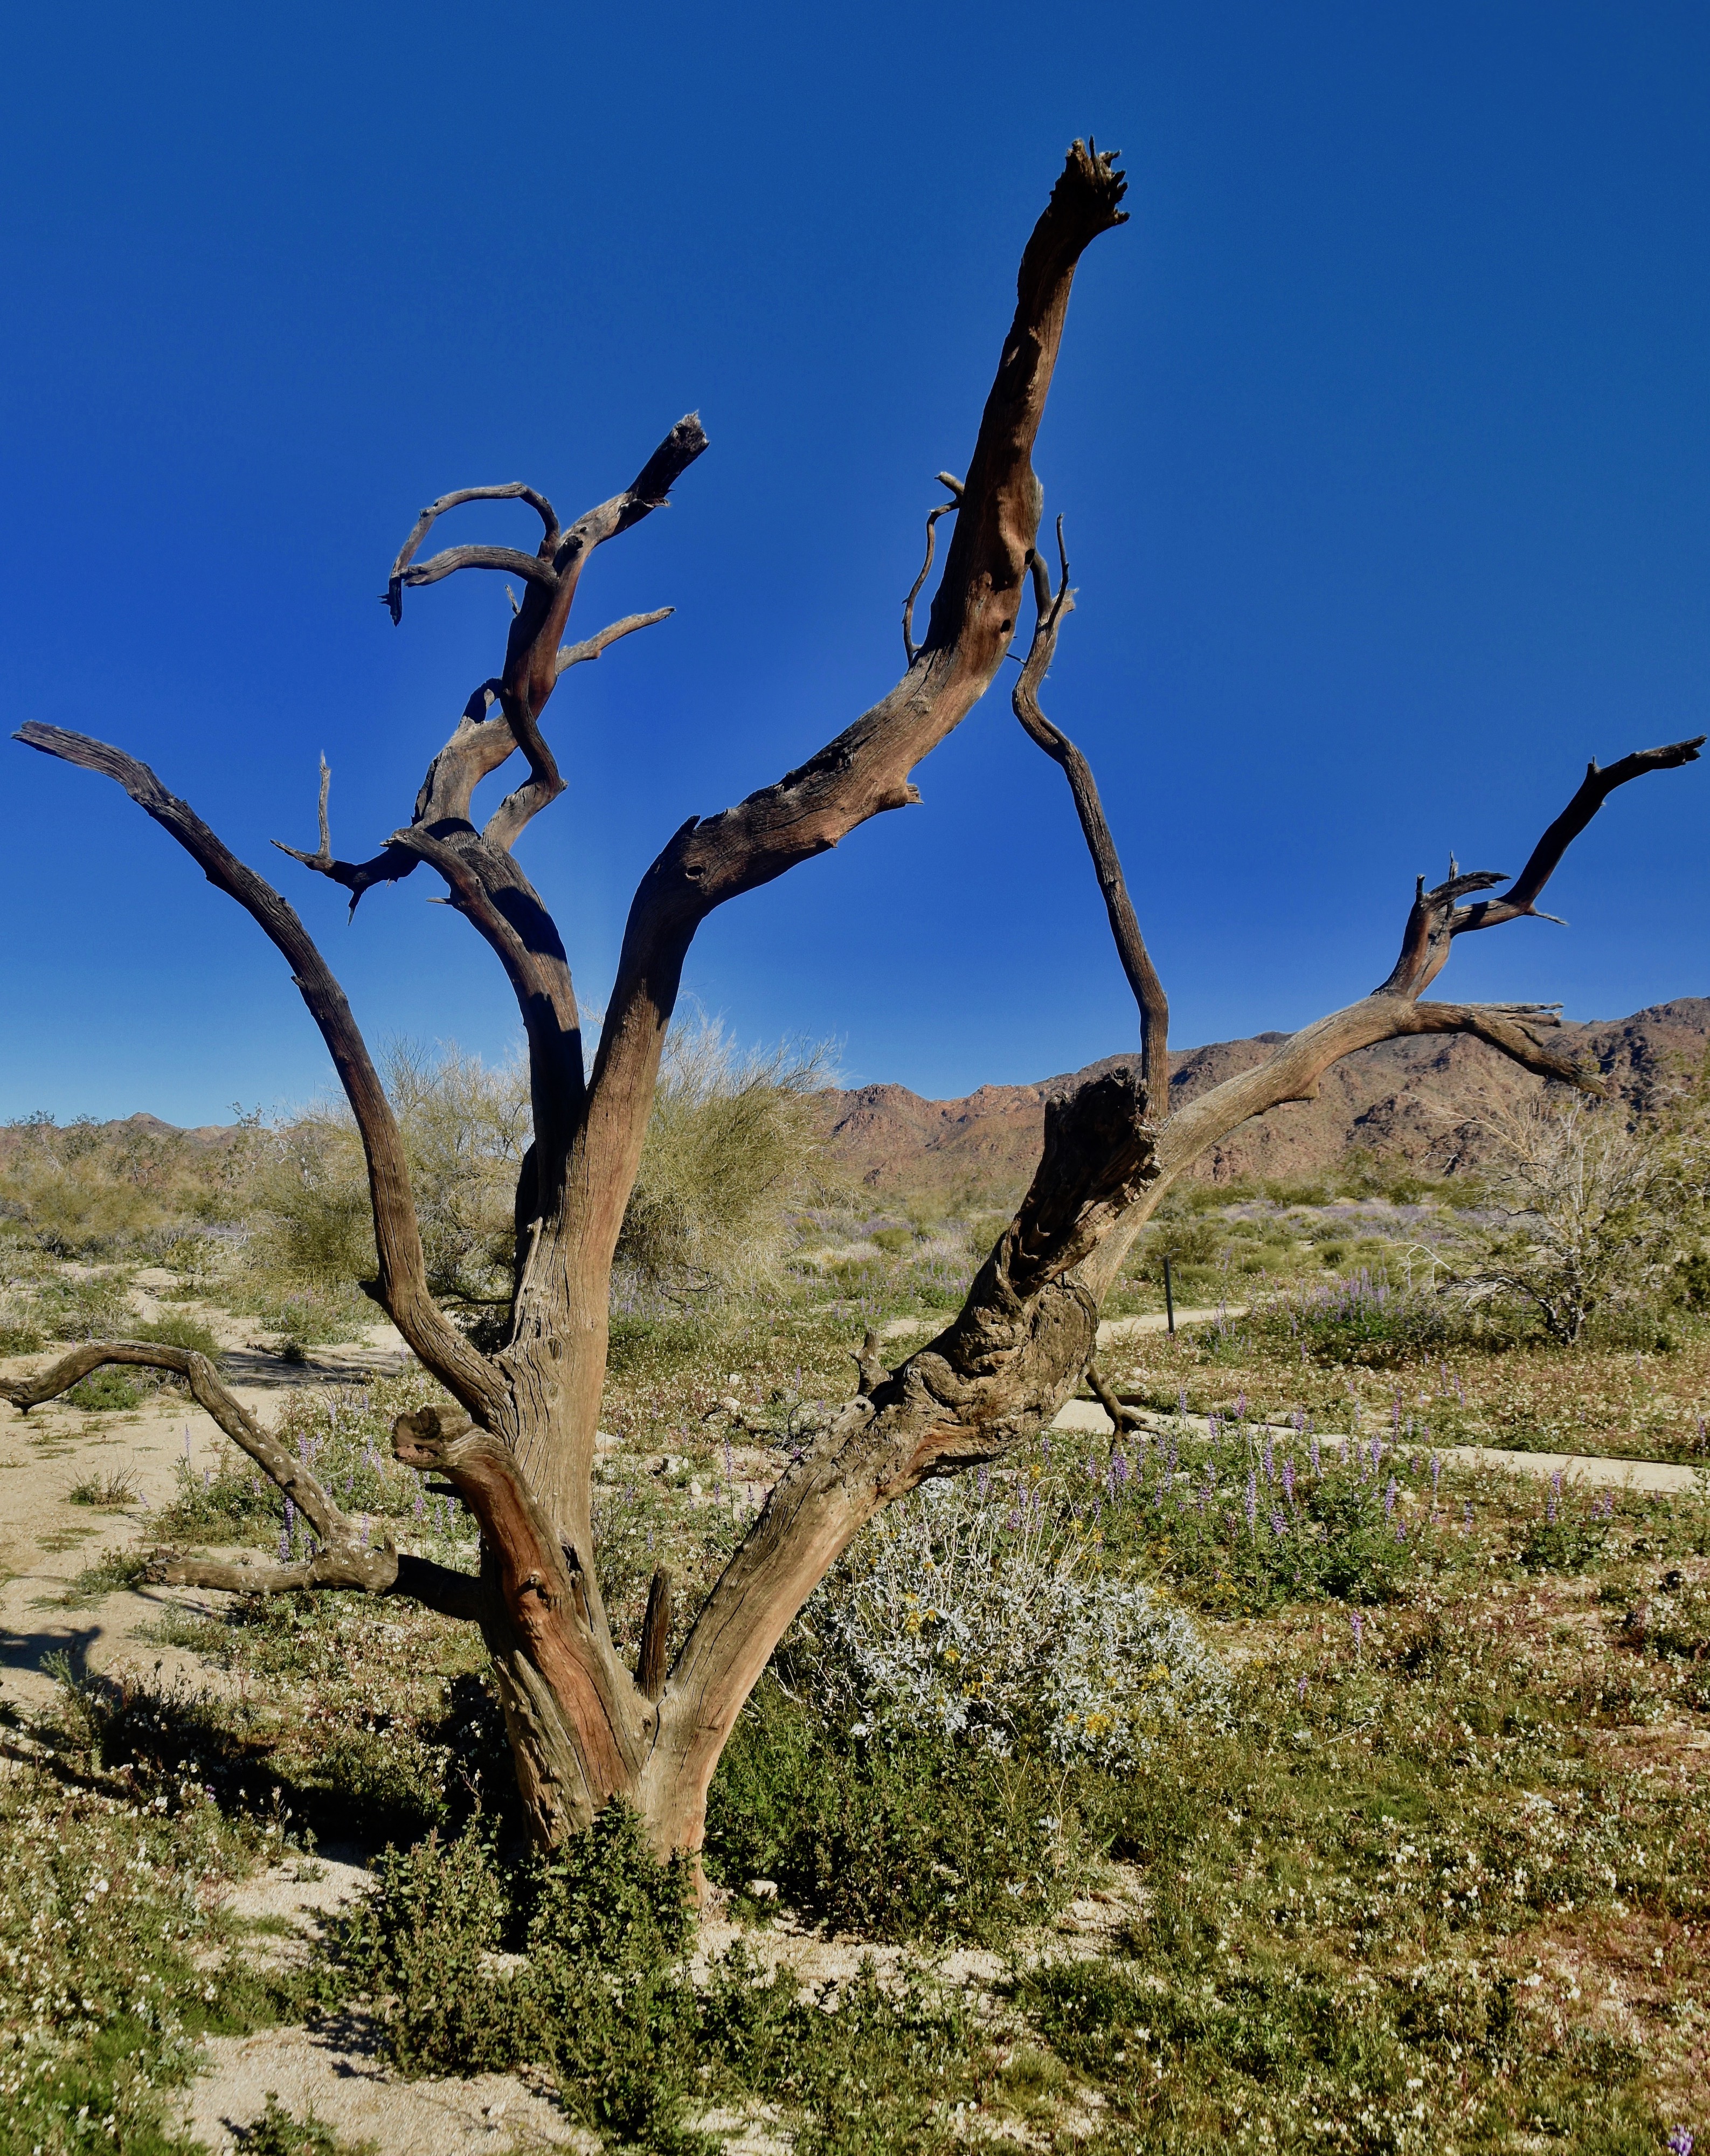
(1421, 1101)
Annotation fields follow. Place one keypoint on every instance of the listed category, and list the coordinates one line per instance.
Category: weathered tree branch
(513, 491)
(862, 774)
(1130, 946)
(345, 1558)
(488, 887)
(655, 1635)
(1436, 918)
(465, 1373)
(1121, 1418)
(997, 1374)
(911, 649)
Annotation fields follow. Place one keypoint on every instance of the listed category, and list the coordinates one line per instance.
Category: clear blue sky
(1382, 431)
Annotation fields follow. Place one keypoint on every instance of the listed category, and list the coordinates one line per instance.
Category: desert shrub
(1569, 1534)
(732, 1143)
(115, 1491)
(1253, 1517)
(277, 2131)
(1583, 1213)
(912, 1837)
(175, 1332)
(115, 1958)
(89, 1189)
(88, 1307)
(1360, 1320)
(601, 1999)
(982, 1616)
(112, 1386)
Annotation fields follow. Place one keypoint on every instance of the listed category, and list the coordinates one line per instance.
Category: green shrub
(111, 1386)
(175, 1331)
(910, 1838)
(94, 1306)
(277, 2132)
(1567, 1538)
(115, 1492)
(600, 1998)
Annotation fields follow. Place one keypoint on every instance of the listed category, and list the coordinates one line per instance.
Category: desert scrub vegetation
(117, 1955)
(1430, 1872)
(1393, 1870)
(599, 1995)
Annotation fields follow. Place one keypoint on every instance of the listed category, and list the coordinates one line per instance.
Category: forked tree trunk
(584, 1727)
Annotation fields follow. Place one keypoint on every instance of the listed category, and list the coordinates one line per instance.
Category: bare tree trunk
(520, 1450)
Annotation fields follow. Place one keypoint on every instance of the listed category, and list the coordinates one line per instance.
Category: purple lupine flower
(1390, 1498)
(1241, 1407)
(285, 1547)
(1377, 1452)
(1300, 1690)
(1270, 1459)
(1680, 2141)
(1358, 1623)
(1436, 1476)
(1466, 1512)
(1288, 1479)
(1279, 1525)
(420, 1505)
(1182, 1404)
(1401, 1531)
(1317, 1466)
(186, 1440)
(1252, 1503)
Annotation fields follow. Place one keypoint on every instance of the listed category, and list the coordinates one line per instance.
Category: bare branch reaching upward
(911, 649)
(1125, 928)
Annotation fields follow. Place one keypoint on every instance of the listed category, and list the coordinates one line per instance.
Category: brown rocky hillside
(1420, 1101)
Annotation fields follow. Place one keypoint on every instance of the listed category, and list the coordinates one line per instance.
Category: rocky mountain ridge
(1423, 1101)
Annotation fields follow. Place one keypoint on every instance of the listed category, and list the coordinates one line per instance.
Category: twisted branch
(910, 649)
(464, 1372)
(1435, 918)
(1130, 946)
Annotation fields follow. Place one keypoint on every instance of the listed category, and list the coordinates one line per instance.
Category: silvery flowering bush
(979, 1615)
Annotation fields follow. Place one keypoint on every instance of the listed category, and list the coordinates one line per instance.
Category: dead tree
(520, 1452)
